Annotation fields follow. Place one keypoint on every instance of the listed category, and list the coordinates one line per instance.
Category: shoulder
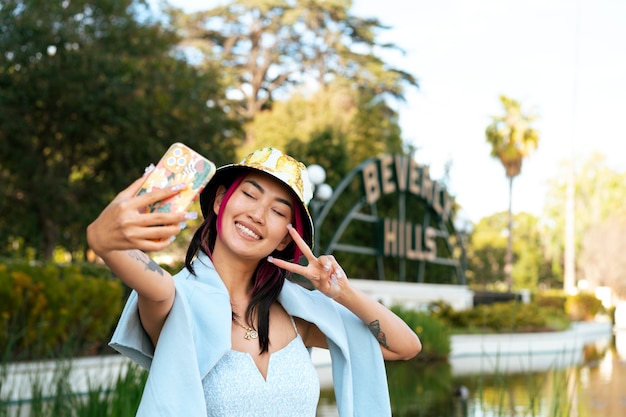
(293, 289)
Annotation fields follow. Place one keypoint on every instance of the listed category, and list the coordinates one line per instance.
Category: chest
(236, 387)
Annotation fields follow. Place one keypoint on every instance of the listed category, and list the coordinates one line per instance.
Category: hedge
(49, 310)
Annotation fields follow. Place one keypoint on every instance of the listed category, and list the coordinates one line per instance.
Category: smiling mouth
(247, 231)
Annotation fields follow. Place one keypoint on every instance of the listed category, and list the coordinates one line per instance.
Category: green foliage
(583, 306)
(433, 333)
(346, 121)
(265, 48)
(598, 201)
(486, 250)
(554, 299)
(487, 247)
(90, 94)
(120, 400)
(511, 316)
(418, 389)
(49, 310)
(511, 136)
(578, 307)
(327, 148)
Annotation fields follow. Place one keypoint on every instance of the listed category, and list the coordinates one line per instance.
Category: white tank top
(236, 388)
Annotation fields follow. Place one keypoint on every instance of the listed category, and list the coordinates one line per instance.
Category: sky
(563, 60)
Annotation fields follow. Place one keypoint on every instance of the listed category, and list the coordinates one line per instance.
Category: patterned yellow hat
(277, 164)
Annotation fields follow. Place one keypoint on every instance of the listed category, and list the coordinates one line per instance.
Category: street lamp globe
(317, 174)
(323, 192)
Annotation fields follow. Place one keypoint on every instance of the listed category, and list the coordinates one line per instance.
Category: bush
(433, 333)
(583, 306)
(510, 316)
(551, 299)
(49, 310)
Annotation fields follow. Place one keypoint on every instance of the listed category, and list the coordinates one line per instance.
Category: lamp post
(322, 192)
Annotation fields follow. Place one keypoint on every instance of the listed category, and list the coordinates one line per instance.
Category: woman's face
(255, 218)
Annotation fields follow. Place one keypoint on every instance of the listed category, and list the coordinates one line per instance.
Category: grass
(416, 390)
(59, 400)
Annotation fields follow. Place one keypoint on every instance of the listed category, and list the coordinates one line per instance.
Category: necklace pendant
(251, 334)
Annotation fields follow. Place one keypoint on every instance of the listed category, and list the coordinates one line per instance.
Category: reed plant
(549, 393)
(58, 399)
(416, 389)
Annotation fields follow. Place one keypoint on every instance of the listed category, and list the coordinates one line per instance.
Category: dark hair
(268, 279)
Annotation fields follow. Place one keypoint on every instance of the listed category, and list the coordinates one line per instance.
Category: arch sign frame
(398, 234)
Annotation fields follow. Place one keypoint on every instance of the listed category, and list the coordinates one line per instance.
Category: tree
(267, 47)
(487, 253)
(365, 126)
(512, 139)
(599, 196)
(89, 95)
(602, 258)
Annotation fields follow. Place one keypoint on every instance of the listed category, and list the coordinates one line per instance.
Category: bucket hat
(278, 165)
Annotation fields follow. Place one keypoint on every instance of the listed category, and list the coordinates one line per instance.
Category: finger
(164, 218)
(154, 245)
(288, 266)
(161, 194)
(151, 238)
(332, 268)
(153, 196)
(326, 261)
(131, 190)
(302, 245)
(162, 234)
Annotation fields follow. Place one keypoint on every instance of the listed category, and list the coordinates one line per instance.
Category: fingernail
(270, 259)
(327, 267)
(172, 238)
(178, 187)
(148, 169)
(339, 274)
(182, 225)
(333, 279)
(289, 226)
(191, 215)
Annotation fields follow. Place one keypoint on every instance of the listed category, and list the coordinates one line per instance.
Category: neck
(236, 275)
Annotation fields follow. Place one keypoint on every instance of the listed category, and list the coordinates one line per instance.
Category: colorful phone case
(180, 164)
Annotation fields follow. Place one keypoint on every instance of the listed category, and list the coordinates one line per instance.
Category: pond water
(591, 383)
(594, 386)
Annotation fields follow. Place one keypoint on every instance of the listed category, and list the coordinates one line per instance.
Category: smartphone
(180, 164)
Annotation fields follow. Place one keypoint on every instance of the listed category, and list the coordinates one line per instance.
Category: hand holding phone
(180, 164)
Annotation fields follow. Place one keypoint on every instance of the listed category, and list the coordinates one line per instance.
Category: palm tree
(512, 139)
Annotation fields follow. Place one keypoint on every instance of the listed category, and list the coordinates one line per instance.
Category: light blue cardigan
(197, 333)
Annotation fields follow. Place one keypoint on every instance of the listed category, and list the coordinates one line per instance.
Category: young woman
(228, 336)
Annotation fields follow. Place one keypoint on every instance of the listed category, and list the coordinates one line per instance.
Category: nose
(257, 213)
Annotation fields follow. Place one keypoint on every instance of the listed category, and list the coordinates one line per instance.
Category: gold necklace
(250, 332)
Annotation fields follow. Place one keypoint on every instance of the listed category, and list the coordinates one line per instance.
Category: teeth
(247, 231)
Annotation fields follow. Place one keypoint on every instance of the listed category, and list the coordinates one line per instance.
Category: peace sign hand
(324, 272)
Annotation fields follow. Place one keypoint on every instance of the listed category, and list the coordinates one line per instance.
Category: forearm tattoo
(146, 260)
(378, 334)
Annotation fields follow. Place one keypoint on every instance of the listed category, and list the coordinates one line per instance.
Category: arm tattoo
(146, 260)
(378, 334)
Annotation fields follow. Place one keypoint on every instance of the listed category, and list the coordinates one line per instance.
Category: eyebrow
(262, 190)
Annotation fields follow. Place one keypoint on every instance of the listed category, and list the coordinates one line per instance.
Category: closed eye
(280, 213)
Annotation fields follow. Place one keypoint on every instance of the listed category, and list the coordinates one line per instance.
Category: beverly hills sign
(410, 214)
